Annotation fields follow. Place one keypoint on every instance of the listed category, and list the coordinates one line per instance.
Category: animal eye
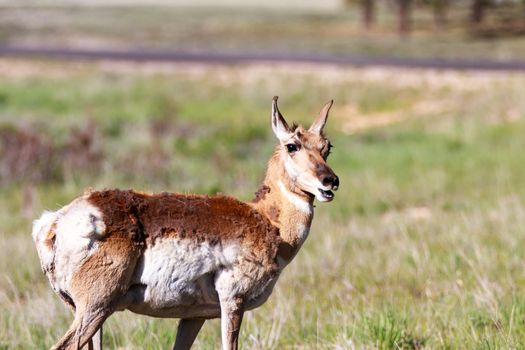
(291, 147)
(328, 151)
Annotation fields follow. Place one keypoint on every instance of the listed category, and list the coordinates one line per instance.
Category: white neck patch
(297, 201)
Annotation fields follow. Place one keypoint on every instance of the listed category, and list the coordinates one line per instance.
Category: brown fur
(213, 219)
(50, 238)
(261, 193)
(278, 210)
(273, 213)
(110, 263)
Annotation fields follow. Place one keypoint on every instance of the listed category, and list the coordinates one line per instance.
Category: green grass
(422, 248)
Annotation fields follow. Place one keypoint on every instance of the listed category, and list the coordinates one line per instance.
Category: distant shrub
(82, 150)
(31, 156)
(26, 156)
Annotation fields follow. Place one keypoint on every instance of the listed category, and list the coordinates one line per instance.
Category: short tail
(44, 236)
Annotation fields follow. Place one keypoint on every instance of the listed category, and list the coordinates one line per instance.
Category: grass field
(422, 248)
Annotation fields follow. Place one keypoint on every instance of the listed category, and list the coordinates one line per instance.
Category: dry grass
(423, 247)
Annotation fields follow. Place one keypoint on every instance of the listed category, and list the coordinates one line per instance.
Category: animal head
(304, 153)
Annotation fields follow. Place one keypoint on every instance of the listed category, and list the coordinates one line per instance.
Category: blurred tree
(440, 10)
(404, 16)
(478, 11)
(368, 13)
(367, 8)
(523, 11)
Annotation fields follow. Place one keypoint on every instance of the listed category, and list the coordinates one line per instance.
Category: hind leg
(87, 321)
(95, 343)
(187, 332)
(96, 288)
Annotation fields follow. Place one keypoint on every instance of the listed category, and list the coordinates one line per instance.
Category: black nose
(330, 180)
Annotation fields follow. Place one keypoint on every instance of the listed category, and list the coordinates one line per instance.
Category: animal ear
(279, 126)
(320, 121)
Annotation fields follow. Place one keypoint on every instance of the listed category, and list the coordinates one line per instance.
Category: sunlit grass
(423, 246)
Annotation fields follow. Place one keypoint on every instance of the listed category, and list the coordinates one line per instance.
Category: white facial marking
(291, 169)
(297, 201)
(320, 197)
(307, 182)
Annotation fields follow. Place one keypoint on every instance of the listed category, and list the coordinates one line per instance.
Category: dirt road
(247, 57)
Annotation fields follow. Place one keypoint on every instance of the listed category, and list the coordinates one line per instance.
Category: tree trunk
(440, 13)
(367, 8)
(404, 24)
(478, 11)
(523, 12)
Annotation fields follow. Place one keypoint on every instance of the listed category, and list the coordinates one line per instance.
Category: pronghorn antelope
(191, 257)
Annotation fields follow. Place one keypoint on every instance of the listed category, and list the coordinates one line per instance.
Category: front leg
(232, 311)
(187, 332)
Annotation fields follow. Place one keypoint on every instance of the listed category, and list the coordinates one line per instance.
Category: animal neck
(286, 206)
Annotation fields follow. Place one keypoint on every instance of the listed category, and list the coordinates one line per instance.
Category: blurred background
(423, 246)
(482, 29)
